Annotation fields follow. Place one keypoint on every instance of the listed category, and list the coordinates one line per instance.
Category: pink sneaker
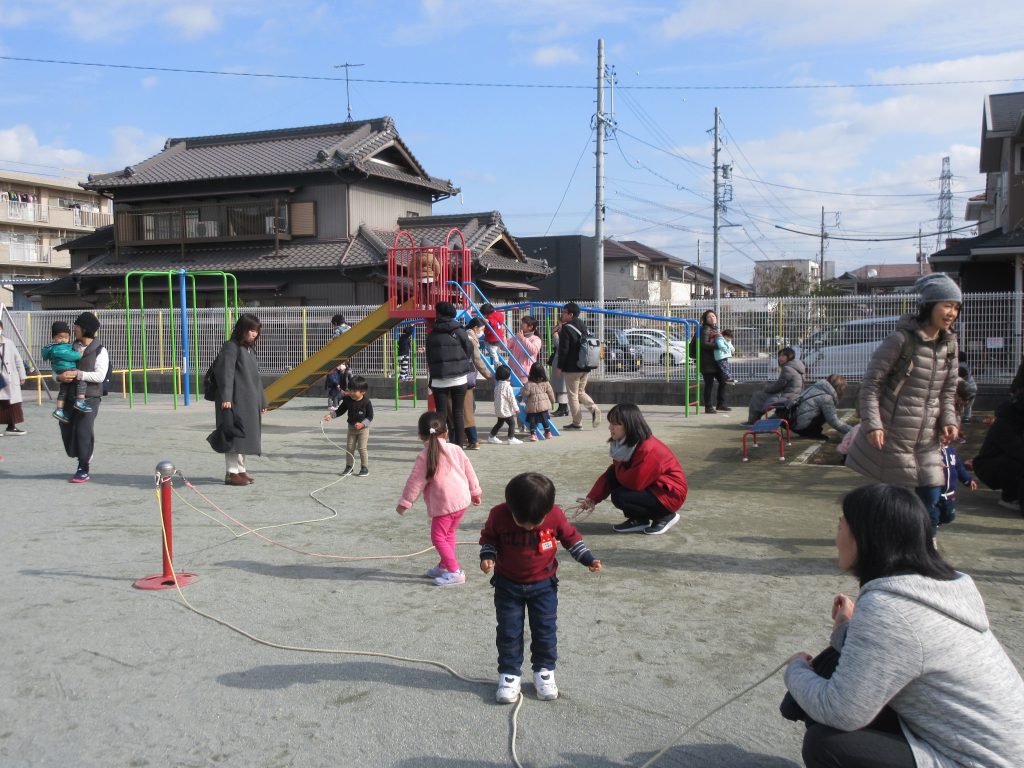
(533, 438)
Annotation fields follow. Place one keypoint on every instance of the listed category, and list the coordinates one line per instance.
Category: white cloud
(554, 54)
(192, 21)
(131, 145)
(19, 144)
(149, 82)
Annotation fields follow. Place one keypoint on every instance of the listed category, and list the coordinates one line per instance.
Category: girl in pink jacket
(446, 479)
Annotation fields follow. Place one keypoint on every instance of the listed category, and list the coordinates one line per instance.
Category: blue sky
(519, 150)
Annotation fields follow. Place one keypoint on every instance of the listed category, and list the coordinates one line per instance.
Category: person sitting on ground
(817, 407)
(1000, 462)
(644, 480)
(724, 350)
(920, 679)
(785, 389)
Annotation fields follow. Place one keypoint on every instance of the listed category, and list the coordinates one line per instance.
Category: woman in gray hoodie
(921, 680)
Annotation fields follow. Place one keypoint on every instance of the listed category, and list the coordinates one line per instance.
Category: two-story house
(632, 271)
(300, 216)
(37, 214)
(994, 260)
(791, 277)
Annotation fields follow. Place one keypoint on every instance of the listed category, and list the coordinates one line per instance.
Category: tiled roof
(251, 258)
(99, 239)
(482, 232)
(1005, 112)
(632, 250)
(960, 249)
(312, 149)
(887, 271)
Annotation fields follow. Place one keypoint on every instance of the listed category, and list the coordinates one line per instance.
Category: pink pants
(442, 536)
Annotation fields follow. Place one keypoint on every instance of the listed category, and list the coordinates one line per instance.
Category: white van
(847, 348)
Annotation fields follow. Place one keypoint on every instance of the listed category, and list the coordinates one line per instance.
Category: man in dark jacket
(449, 360)
(1000, 462)
(569, 340)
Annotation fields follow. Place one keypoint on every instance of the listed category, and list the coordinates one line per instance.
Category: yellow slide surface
(338, 350)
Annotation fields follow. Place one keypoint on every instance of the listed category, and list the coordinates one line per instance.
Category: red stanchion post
(168, 579)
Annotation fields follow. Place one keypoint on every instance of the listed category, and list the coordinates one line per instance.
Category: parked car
(657, 348)
(845, 349)
(618, 353)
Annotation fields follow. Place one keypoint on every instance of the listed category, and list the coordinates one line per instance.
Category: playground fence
(990, 333)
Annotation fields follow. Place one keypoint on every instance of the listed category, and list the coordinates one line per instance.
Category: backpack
(589, 356)
(210, 384)
(901, 369)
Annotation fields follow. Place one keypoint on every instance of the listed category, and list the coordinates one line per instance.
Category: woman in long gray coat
(906, 398)
(240, 397)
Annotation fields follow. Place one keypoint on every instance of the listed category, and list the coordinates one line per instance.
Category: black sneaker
(364, 472)
(16, 432)
(572, 426)
(660, 526)
(632, 526)
(347, 470)
(722, 408)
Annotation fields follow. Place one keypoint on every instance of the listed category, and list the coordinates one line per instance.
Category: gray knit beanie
(937, 287)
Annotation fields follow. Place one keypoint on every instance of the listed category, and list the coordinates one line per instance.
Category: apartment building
(37, 214)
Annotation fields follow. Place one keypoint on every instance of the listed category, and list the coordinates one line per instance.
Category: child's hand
(595, 566)
(359, 425)
(400, 509)
(973, 485)
(476, 500)
(328, 416)
(486, 566)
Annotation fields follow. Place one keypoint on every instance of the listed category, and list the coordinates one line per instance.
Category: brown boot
(233, 478)
(248, 478)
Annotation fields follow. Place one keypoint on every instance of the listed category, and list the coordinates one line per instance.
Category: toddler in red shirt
(518, 543)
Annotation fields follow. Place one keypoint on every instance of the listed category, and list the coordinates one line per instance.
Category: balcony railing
(36, 213)
(264, 220)
(26, 253)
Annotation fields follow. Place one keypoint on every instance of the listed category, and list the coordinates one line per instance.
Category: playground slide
(338, 350)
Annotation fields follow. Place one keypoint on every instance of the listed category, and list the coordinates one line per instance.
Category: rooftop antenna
(348, 96)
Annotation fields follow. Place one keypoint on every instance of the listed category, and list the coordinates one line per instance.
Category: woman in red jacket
(645, 479)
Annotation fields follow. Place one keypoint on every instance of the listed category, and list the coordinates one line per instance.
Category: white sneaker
(544, 682)
(435, 572)
(451, 578)
(494, 439)
(508, 689)
(514, 441)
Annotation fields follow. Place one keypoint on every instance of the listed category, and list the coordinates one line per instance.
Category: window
(1018, 166)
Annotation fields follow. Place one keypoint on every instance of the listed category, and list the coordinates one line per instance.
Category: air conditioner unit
(207, 228)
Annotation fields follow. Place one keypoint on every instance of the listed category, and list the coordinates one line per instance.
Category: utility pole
(945, 228)
(717, 284)
(348, 98)
(920, 252)
(821, 250)
(602, 122)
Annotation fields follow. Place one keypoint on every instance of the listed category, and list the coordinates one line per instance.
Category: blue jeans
(930, 495)
(512, 602)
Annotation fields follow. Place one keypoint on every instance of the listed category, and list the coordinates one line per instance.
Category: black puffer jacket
(569, 346)
(707, 349)
(449, 351)
(1004, 439)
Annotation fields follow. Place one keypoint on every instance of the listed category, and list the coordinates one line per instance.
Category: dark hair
(358, 384)
(628, 415)
(530, 497)
(924, 311)
(727, 333)
(502, 373)
(476, 322)
(572, 308)
(704, 316)
(432, 427)
(486, 309)
(530, 321)
(789, 352)
(537, 373)
(445, 309)
(338, 320)
(838, 383)
(893, 533)
(408, 329)
(246, 322)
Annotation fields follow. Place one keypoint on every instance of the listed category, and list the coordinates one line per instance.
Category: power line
(817, 235)
(789, 87)
(569, 184)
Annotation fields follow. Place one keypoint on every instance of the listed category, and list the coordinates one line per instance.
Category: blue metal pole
(185, 368)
